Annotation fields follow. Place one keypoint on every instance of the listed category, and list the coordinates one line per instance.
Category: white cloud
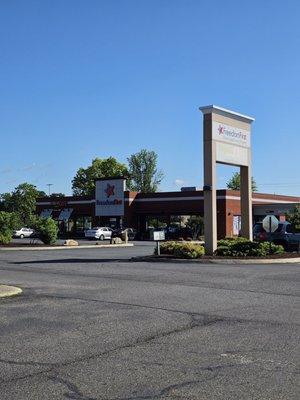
(5, 170)
(179, 182)
(28, 167)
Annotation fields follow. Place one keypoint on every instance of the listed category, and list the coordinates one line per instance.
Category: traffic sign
(270, 223)
(158, 235)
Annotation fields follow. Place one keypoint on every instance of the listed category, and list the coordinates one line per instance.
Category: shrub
(228, 241)
(182, 249)
(189, 250)
(167, 247)
(273, 248)
(8, 222)
(47, 229)
(242, 247)
(223, 251)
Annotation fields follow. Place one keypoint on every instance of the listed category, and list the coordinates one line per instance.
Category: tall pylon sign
(226, 140)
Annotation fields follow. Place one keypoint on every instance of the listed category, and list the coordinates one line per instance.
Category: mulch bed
(272, 257)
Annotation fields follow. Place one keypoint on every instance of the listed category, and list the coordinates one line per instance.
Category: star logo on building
(221, 129)
(110, 190)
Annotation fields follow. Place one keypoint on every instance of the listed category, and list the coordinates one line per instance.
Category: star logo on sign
(221, 130)
(110, 190)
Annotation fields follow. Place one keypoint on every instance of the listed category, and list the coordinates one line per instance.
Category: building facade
(75, 214)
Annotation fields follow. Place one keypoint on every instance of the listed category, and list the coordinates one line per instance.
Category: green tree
(46, 229)
(294, 217)
(235, 182)
(83, 182)
(196, 224)
(5, 202)
(8, 222)
(156, 223)
(22, 201)
(144, 176)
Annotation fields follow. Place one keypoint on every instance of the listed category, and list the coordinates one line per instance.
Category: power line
(283, 185)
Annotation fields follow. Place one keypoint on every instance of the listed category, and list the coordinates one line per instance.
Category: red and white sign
(230, 134)
(110, 197)
(232, 144)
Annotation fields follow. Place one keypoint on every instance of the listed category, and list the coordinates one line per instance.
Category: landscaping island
(229, 248)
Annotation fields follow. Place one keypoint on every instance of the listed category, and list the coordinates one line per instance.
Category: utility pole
(49, 187)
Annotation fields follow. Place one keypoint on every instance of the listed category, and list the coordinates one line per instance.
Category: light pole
(49, 187)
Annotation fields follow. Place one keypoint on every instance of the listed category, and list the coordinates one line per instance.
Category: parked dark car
(131, 233)
(285, 234)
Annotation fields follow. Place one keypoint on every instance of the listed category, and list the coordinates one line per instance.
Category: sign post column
(226, 140)
(209, 188)
(246, 203)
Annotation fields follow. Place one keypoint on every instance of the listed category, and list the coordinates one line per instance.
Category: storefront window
(83, 223)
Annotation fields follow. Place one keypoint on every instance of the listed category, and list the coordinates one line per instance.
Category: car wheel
(21, 236)
(101, 237)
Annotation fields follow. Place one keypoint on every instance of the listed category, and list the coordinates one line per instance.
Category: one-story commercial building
(75, 214)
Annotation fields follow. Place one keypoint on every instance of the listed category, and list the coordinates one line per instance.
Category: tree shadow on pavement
(73, 261)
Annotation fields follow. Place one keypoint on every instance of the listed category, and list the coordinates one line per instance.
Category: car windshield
(278, 230)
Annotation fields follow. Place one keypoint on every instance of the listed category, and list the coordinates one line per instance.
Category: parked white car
(23, 233)
(100, 233)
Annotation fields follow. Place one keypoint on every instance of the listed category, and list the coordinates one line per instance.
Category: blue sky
(83, 79)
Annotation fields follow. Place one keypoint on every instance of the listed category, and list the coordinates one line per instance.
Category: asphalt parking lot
(91, 325)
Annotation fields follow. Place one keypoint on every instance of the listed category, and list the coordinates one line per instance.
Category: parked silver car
(100, 233)
(23, 233)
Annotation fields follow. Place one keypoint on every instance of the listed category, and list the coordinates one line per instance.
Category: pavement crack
(193, 323)
(74, 392)
(134, 278)
(171, 310)
(119, 303)
(31, 363)
(170, 390)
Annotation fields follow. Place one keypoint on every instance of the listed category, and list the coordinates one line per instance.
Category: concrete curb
(98, 246)
(262, 261)
(220, 261)
(8, 291)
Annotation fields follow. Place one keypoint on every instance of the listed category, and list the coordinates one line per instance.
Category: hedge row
(241, 247)
(236, 247)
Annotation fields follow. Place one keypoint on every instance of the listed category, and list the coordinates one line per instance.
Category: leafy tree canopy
(196, 224)
(144, 176)
(83, 182)
(235, 182)
(294, 217)
(22, 201)
(8, 222)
